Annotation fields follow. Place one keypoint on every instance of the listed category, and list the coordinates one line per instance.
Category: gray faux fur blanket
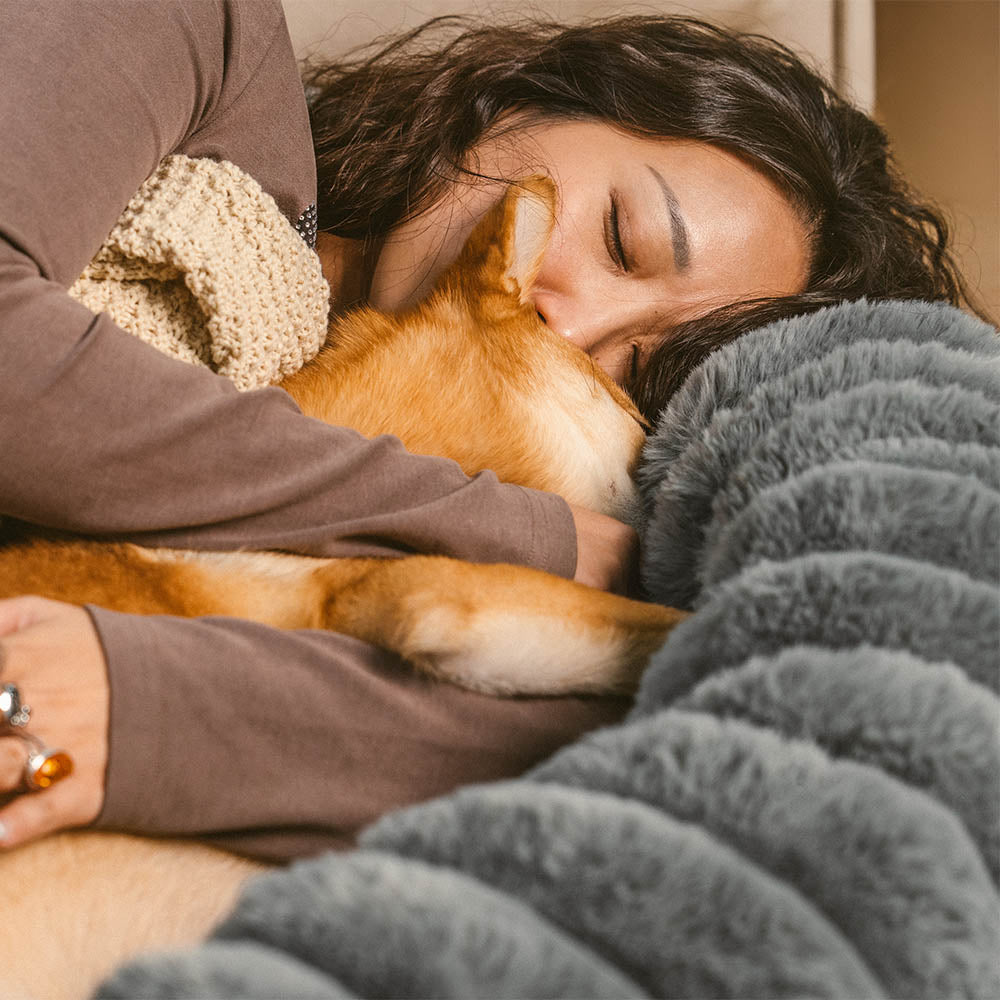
(804, 801)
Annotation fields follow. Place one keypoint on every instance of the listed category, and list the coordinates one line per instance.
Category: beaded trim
(306, 226)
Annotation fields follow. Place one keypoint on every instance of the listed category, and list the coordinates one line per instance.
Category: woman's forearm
(102, 435)
(293, 741)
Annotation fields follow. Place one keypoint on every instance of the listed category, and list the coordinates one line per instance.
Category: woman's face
(649, 232)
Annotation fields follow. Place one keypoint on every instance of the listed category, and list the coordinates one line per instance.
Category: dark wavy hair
(392, 125)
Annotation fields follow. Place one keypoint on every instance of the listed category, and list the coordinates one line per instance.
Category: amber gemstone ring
(45, 767)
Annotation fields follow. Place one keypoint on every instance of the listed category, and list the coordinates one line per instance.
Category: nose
(599, 326)
(586, 322)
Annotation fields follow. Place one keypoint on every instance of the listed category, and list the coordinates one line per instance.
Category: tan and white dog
(494, 389)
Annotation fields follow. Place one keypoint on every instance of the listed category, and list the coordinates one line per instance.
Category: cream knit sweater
(203, 266)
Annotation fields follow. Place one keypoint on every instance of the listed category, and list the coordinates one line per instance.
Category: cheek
(614, 364)
(416, 253)
(566, 264)
(395, 278)
(612, 355)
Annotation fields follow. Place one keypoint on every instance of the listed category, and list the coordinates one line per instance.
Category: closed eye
(613, 236)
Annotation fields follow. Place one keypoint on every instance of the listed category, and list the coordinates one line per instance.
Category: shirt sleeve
(102, 435)
(280, 744)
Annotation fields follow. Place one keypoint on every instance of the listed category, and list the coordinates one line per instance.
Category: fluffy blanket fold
(804, 800)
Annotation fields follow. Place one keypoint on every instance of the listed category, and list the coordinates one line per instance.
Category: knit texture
(805, 799)
(203, 266)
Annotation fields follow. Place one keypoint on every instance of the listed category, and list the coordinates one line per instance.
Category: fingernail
(3, 832)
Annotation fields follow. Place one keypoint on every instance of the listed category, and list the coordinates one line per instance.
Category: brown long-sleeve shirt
(274, 743)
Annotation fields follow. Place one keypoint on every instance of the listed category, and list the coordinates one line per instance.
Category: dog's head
(474, 374)
(586, 427)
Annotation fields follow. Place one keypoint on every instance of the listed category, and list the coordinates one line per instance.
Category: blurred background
(929, 70)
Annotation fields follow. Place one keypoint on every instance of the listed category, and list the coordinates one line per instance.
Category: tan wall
(938, 95)
(329, 27)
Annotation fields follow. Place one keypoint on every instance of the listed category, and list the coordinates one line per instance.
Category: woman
(707, 182)
(866, 233)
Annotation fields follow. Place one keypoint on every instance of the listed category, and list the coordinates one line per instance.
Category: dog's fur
(472, 374)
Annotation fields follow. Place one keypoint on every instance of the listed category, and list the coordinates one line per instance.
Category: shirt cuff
(553, 534)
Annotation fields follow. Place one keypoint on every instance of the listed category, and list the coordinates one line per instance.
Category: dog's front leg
(495, 628)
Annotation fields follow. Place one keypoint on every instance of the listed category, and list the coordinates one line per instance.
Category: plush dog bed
(804, 800)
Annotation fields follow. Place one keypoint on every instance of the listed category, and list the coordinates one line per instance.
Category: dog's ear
(505, 249)
(529, 215)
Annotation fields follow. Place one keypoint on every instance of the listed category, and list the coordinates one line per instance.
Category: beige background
(327, 27)
(927, 68)
(938, 94)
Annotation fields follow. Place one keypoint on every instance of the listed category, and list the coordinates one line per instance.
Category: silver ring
(13, 712)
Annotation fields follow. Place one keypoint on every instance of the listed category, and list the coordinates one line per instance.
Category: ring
(13, 712)
(45, 765)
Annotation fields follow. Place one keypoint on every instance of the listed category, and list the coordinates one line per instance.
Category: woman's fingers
(607, 552)
(51, 652)
(13, 755)
(23, 818)
(35, 814)
(17, 613)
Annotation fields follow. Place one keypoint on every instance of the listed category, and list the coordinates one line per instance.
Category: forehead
(590, 148)
(734, 206)
(746, 235)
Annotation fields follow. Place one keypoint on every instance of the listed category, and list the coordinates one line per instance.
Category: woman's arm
(99, 433)
(271, 743)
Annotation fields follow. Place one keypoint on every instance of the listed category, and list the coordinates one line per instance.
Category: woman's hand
(51, 652)
(607, 552)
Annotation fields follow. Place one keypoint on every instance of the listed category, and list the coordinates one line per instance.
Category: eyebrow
(679, 235)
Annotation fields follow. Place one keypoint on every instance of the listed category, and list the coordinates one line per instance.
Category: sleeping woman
(708, 182)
